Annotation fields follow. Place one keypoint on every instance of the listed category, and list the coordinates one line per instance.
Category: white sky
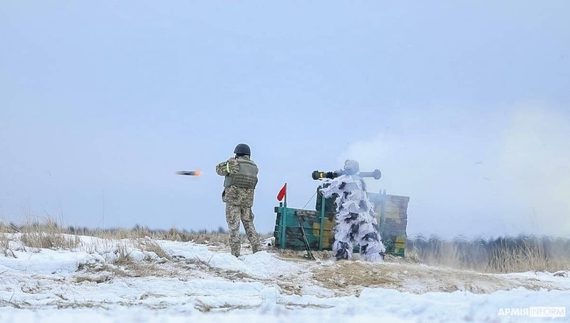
(463, 107)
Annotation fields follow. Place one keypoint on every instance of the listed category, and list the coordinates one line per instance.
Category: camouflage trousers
(235, 214)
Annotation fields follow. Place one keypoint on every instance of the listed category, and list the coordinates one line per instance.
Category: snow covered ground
(204, 283)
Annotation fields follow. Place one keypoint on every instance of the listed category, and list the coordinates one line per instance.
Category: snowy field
(149, 280)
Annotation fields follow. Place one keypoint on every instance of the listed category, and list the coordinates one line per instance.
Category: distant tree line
(85, 230)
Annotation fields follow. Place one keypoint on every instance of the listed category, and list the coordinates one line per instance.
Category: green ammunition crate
(391, 212)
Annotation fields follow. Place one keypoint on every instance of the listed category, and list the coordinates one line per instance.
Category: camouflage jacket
(234, 194)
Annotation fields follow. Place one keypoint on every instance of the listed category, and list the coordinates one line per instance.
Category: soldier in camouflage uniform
(355, 217)
(239, 186)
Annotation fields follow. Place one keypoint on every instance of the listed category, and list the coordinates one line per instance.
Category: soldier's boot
(235, 250)
(235, 244)
(250, 231)
(254, 241)
(255, 247)
(343, 252)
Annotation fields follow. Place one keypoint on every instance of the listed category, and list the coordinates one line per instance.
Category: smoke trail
(535, 160)
(486, 173)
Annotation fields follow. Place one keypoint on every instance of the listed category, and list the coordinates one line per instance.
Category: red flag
(282, 192)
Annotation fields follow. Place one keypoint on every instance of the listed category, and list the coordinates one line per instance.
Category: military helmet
(242, 149)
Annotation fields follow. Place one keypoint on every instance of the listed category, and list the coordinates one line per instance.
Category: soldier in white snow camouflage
(355, 220)
(240, 174)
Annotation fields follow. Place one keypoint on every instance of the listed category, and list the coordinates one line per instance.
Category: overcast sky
(464, 106)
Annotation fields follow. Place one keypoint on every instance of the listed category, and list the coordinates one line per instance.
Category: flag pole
(283, 218)
(285, 197)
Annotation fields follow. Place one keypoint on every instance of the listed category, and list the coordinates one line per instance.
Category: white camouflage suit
(355, 217)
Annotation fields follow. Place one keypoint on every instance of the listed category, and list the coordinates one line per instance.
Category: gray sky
(464, 107)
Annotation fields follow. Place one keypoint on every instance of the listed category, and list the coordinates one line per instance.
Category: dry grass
(500, 255)
(173, 234)
(197, 237)
(122, 265)
(5, 246)
(47, 234)
(117, 234)
(5, 241)
(38, 233)
(123, 256)
(49, 225)
(150, 245)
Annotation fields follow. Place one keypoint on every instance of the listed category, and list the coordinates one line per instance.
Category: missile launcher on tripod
(312, 230)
